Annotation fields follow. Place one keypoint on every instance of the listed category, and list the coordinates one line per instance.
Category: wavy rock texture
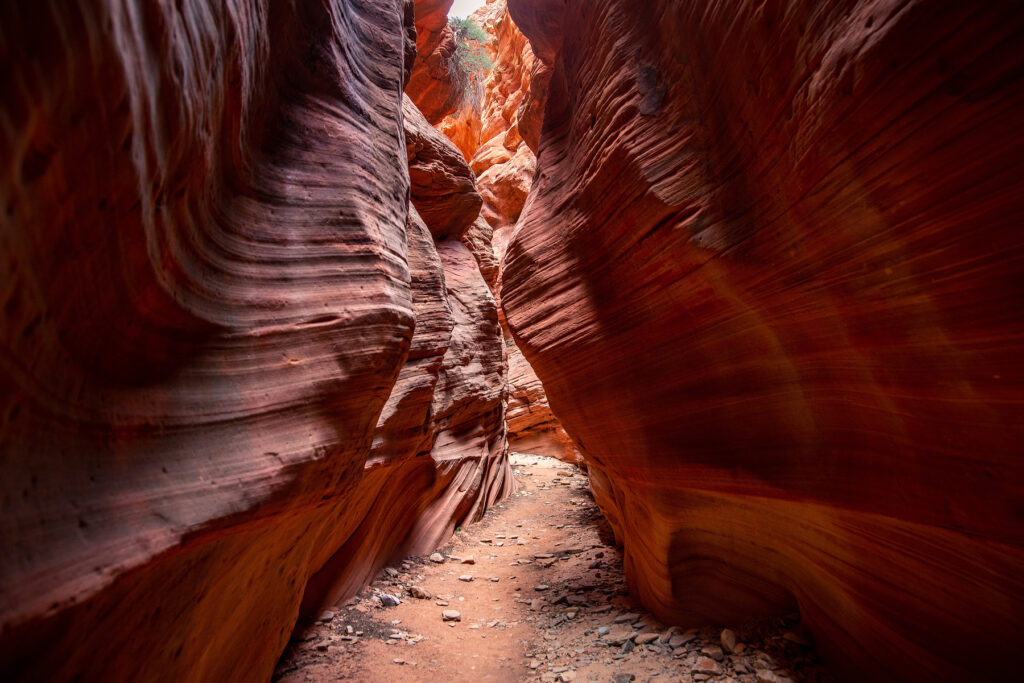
(430, 85)
(769, 274)
(212, 387)
(443, 188)
(504, 165)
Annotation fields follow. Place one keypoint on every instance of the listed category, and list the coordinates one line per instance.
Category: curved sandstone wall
(226, 335)
(769, 273)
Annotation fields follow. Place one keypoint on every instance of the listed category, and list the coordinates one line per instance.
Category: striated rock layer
(770, 275)
(231, 358)
(430, 85)
(504, 164)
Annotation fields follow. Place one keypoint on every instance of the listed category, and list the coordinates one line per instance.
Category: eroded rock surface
(228, 364)
(769, 275)
(504, 165)
(430, 85)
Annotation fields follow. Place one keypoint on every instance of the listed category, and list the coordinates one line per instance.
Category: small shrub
(469, 63)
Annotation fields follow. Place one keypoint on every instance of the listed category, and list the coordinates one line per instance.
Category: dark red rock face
(216, 377)
(770, 275)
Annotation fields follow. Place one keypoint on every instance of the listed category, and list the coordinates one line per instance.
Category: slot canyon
(684, 341)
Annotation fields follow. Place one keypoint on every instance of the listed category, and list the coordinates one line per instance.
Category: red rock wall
(769, 274)
(216, 378)
(430, 86)
(504, 165)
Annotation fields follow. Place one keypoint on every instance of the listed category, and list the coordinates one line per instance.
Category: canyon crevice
(277, 305)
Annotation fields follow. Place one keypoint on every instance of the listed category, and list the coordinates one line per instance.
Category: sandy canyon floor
(534, 592)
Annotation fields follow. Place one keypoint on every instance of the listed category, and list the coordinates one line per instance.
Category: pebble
(442, 603)
(627, 618)
(714, 652)
(327, 616)
(542, 587)
(679, 640)
(388, 600)
(728, 639)
(469, 559)
(451, 615)
(706, 665)
(466, 577)
(437, 557)
(419, 593)
(645, 638)
(390, 571)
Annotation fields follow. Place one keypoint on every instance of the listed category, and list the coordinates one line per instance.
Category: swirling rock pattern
(769, 273)
(216, 379)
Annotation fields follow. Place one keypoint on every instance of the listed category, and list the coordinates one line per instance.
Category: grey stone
(388, 600)
(451, 615)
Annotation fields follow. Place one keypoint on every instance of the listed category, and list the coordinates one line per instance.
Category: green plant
(469, 63)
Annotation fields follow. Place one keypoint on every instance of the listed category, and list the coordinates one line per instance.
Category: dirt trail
(546, 602)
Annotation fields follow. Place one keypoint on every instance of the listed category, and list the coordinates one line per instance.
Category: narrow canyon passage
(533, 592)
(290, 286)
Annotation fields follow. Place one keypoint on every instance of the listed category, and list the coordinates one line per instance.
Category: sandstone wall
(769, 273)
(224, 351)
(492, 139)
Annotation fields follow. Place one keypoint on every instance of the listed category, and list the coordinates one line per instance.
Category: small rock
(627, 618)
(645, 638)
(542, 587)
(419, 593)
(451, 615)
(601, 610)
(437, 557)
(495, 579)
(327, 616)
(679, 640)
(543, 556)
(468, 560)
(441, 603)
(388, 600)
(708, 666)
(602, 630)
(714, 652)
(567, 676)
(728, 639)
(466, 577)
(398, 660)
(623, 678)
(619, 635)
(390, 571)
